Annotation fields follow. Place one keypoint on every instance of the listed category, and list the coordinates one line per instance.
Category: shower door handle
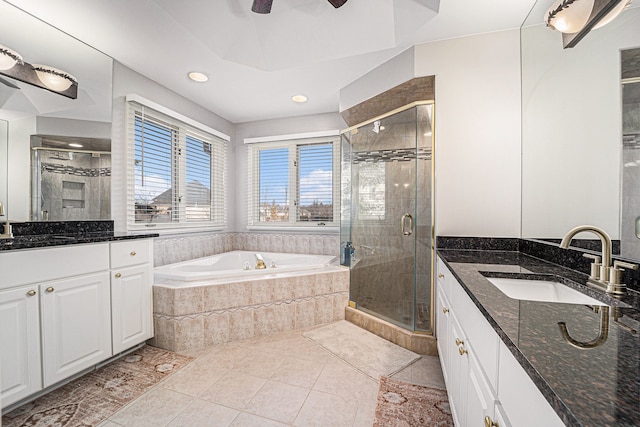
(403, 223)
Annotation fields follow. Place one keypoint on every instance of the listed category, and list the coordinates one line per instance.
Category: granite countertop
(49, 240)
(586, 386)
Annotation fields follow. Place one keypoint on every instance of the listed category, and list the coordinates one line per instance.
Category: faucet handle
(595, 266)
(615, 276)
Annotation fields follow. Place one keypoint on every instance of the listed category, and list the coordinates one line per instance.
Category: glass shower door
(386, 216)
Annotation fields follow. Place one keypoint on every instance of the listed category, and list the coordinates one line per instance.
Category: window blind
(294, 183)
(176, 172)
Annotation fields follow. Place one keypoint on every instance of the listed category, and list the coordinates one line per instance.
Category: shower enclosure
(70, 185)
(387, 215)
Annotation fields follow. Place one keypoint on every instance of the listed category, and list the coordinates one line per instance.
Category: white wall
(477, 132)
(19, 168)
(127, 81)
(293, 125)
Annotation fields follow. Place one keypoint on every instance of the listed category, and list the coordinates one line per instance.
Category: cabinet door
(458, 372)
(19, 344)
(480, 399)
(442, 332)
(132, 321)
(76, 325)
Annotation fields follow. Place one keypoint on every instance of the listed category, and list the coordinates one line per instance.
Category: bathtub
(241, 265)
(214, 300)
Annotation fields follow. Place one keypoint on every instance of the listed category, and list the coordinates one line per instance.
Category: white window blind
(176, 172)
(294, 183)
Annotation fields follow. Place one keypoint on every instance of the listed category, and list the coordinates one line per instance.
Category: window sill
(328, 229)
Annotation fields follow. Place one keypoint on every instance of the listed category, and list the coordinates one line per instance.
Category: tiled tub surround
(169, 250)
(597, 386)
(197, 314)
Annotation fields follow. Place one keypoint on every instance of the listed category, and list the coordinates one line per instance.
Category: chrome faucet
(8, 233)
(260, 265)
(603, 275)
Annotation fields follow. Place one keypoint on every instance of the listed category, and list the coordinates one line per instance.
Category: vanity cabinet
(131, 294)
(67, 308)
(484, 381)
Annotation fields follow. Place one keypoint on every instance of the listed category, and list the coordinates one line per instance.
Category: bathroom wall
(478, 164)
(127, 81)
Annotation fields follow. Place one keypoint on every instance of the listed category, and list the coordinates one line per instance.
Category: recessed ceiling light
(299, 98)
(75, 145)
(198, 77)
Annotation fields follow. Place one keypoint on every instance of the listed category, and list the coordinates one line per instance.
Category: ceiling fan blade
(8, 83)
(337, 3)
(261, 6)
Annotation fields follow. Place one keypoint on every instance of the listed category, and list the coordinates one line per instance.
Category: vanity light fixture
(9, 58)
(54, 79)
(42, 76)
(575, 18)
(299, 99)
(198, 77)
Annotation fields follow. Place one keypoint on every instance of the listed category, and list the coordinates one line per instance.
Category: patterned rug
(402, 404)
(94, 397)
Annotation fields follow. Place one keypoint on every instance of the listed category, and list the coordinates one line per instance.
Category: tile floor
(281, 380)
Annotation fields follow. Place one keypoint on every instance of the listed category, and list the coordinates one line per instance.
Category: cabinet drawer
(23, 267)
(444, 278)
(130, 252)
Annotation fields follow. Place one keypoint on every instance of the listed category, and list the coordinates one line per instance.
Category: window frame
(291, 142)
(186, 128)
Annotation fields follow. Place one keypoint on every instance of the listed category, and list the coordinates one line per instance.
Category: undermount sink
(541, 290)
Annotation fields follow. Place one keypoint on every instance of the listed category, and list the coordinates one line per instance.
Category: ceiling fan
(264, 6)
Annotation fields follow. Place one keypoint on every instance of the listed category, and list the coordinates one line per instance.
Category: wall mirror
(572, 131)
(31, 115)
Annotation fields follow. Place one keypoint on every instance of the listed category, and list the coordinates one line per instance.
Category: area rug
(367, 352)
(402, 404)
(94, 397)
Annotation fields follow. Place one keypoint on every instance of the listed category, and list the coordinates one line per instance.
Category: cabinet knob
(488, 422)
(459, 342)
(50, 289)
(133, 253)
(31, 293)
(118, 275)
(445, 310)
(440, 275)
(462, 351)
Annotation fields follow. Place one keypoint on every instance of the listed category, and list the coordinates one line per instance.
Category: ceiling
(256, 63)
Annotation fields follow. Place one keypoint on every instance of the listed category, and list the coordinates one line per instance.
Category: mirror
(572, 130)
(31, 111)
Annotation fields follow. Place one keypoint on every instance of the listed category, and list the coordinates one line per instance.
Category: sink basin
(541, 290)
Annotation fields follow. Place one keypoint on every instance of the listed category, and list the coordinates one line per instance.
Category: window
(176, 172)
(294, 183)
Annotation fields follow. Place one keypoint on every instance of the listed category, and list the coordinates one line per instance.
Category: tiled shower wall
(169, 250)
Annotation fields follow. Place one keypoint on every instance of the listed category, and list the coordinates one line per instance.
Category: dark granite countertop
(586, 386)
(50, 240)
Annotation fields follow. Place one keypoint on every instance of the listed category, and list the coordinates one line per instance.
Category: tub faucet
(603, 275)
(260, 265)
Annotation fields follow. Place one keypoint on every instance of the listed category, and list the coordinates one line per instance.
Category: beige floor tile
(155, 408)
(249, 420)
(321, 409)
(298, 372)
(234, 390)
(341, 379)
(260, 364)
(366, 414)
(426, 371)
(108, 424)
(204, 414)
(277, 401)
(194, 379)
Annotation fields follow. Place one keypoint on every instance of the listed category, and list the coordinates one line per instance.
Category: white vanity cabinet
(485, 383)
(131, 295)
(67, 308)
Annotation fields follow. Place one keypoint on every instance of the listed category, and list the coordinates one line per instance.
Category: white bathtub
(232, 265)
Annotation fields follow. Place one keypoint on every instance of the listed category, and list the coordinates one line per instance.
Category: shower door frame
(398, 110)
